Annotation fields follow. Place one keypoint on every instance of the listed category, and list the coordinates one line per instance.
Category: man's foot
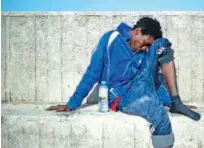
(178, 107)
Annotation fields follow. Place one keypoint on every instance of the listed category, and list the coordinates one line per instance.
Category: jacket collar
(124, 30)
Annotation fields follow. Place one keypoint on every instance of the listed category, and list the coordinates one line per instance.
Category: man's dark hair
(149, 26)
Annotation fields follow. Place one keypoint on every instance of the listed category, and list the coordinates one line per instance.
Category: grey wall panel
(185, 56)
(3, 58)
(42, 91)
(197, 63)
(74, 44)
(21, 59)
(48, 58)
(54, 58)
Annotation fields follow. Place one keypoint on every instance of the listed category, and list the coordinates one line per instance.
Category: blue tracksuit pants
(142, 100)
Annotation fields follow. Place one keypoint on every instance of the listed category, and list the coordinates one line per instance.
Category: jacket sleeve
(92, 74)
(166, 56)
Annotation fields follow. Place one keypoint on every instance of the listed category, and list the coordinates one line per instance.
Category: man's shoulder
(107, 34)
(105, 37)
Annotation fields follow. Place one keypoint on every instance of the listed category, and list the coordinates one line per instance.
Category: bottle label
(103, 99)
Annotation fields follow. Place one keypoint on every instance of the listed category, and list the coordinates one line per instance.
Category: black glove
(178, 107)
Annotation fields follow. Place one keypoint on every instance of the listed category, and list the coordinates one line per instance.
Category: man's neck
(133, 50)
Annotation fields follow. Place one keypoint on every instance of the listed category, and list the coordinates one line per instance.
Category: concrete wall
(45, 54)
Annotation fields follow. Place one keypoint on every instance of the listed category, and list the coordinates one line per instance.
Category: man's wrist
(69, 106)
(176, 99)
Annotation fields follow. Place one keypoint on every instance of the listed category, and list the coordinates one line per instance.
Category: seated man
(129, 64)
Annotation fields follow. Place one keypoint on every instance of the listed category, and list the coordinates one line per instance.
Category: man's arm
(90, 77)
(92, 74)
(166, 62)
(169, 73)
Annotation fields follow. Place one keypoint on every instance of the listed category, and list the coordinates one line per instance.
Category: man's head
(144, 32)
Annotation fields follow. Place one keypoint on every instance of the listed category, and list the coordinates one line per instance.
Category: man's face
(140, 42)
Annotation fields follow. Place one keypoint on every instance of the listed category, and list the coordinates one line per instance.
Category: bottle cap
(103, 82)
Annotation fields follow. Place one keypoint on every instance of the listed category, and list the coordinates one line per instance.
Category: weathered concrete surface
(48, 59)
(44, 54)
(20, 73)
(31, 126)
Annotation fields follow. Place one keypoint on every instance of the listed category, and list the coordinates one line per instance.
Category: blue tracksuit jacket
(118, 66)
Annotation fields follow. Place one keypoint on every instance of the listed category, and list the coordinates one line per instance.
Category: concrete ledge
(28, 125)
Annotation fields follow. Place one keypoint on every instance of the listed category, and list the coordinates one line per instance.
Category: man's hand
(178, 107)
(59, 108)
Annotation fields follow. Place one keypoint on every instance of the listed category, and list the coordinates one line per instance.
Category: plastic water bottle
(103, 97)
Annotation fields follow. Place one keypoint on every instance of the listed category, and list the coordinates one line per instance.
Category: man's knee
(160, 120)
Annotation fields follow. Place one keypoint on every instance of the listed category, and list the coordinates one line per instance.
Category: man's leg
(150, 108)
(142, 100)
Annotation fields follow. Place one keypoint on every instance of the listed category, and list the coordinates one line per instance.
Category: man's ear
(137, 31)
